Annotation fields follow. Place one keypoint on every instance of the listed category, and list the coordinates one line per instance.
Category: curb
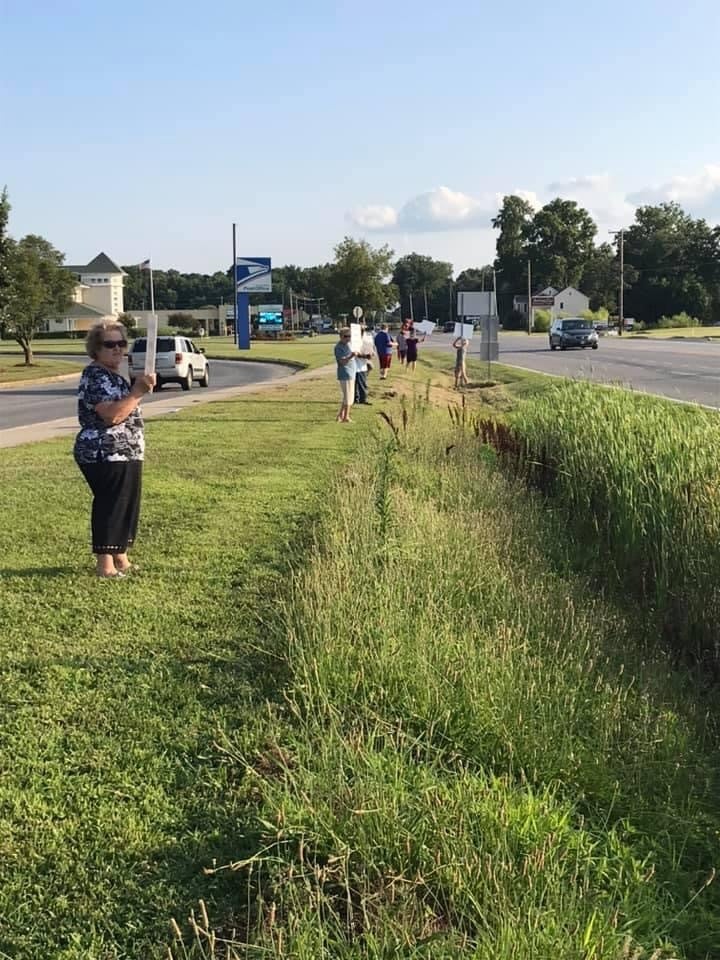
(14, 384)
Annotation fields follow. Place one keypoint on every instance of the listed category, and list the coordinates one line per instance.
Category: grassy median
(115, 790)
(484, 757)
(360, 702)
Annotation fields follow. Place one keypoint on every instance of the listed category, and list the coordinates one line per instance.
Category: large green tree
(513, 220)
(417, 276)
(39, 287)
(672, 265)
(5, 245)
(601, 277)
(560, 242)
(360, 276)
(475, 279)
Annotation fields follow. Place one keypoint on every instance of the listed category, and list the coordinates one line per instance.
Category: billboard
(475, 304)
(270, 315)
(253, 275)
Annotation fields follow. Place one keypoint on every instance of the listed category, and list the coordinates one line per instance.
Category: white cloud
(374, 217)
(594, 182)
(438, 209)
(445, 210)
(699, 193)
(532, 198)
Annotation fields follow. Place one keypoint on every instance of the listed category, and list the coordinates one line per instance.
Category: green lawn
(360, 699)
(711, 332)
(12, 370)
(115, 787)
(489, 757)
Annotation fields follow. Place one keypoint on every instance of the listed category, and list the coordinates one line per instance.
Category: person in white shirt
(363, 365)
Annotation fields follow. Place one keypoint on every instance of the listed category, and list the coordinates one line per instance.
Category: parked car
(573, 332)
(449, 326)
(177, 360)
(601, 329)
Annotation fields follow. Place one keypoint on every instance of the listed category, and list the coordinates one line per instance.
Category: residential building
(568, 302)
(98, 296)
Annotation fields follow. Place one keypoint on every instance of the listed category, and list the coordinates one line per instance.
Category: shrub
(515, 320)
(600, 315)
(183, 321)
(162, 332)
(542, 321)
(678, 320)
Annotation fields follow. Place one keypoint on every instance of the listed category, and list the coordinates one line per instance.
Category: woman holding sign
(110, 447)
(345, 360)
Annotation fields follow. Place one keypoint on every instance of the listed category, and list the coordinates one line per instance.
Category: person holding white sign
(460, 346)
(345, 359)
(110, 447)
(363, 364)
(412, 340)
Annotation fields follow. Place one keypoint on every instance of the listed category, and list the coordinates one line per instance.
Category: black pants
(116, 490)
(361, 387)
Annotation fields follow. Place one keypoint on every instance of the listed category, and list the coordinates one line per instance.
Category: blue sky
(146, 129)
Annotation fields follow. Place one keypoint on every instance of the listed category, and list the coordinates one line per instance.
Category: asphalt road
(680, 369)
(27, 405)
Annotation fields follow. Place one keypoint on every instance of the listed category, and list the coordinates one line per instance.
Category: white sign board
(475, 304)
(356, 338)
(357, 312)
(463, 330)
(151, 343)
(425, 327)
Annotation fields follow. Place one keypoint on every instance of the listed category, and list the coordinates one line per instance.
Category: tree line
(672, 265)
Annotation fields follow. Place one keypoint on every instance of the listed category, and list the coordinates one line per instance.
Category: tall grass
(476, 761)
(638, 478)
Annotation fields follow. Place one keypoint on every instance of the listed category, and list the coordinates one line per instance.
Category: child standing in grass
(460, 345)
(412, 348)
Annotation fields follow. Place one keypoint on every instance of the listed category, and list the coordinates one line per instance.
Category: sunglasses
(111, 344)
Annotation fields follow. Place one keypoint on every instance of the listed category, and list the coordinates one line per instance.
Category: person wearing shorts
(384, 345)
(402, 346)
(345, 359)
(460, 346)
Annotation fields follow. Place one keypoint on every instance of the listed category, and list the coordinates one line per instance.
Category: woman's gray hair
(97, 334)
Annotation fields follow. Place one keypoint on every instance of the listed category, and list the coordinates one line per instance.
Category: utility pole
(622, 282)
(427, 312)
(529, 298)
(412, 309)
(621, 296)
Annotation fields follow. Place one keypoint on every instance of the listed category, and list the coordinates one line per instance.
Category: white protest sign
(463, 330)
(356, 338)
(151, 343)
(425, 327)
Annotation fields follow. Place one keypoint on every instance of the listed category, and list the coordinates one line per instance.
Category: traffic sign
(357, 312)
